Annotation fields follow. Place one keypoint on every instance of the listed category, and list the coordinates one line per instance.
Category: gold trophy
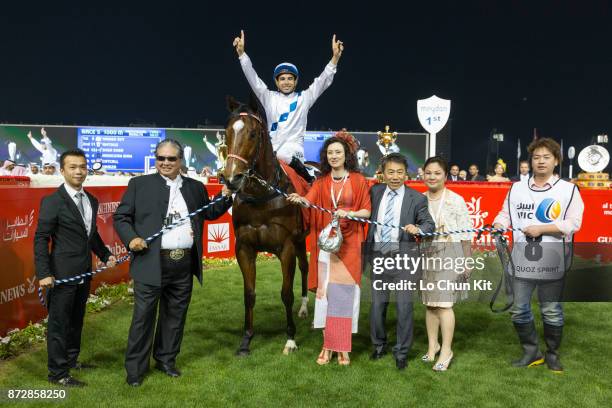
(386, 139)
(386, 144)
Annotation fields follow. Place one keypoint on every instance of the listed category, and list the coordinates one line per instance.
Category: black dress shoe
(378, 354)
(133, 382)
(68, 381)
(401, 364)
(82, 366)
(168, 370)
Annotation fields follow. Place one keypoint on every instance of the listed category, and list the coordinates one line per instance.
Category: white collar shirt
(87, 217)
(549, 183)
(397, 210)
(180, 237)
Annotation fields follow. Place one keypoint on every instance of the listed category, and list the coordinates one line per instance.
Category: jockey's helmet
(286, 68)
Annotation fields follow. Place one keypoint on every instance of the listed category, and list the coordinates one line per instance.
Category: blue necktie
(385, 236)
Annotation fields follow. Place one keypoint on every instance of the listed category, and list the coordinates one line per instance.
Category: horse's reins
(505, 257)
(367, 221)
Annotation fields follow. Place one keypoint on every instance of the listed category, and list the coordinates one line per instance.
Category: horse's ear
(253, 103)
(232, 103)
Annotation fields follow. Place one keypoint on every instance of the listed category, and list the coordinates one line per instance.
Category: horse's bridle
(238, 157)
(250, 172)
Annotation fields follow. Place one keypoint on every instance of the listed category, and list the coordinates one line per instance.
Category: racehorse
(263, 219)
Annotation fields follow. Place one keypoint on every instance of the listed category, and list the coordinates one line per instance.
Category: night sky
(505, 65)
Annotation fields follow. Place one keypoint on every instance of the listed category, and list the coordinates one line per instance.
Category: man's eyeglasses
(166, 158)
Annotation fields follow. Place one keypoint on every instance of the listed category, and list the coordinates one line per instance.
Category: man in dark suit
(454, 174)
(162, 270)
(68, 219)
(393, 202)
(523, 172)
(473, 173)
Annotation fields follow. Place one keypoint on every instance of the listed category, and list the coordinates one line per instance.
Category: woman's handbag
(330, 238)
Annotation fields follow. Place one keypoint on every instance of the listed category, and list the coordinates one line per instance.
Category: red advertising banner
(218, 236)
(19, 206)
(19, 303)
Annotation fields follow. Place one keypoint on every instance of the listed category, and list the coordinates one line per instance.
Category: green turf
(212, 376)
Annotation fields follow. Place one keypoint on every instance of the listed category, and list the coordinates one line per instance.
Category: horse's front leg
(246, 260)
(288, 266)
(300, 250)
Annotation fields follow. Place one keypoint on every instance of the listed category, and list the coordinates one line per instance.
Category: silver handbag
(330, 238)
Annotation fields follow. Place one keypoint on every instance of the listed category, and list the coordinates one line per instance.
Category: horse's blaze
(238, 125)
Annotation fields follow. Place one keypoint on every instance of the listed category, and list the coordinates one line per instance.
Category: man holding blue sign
(287, 110)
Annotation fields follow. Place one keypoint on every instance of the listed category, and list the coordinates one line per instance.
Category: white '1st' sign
(433, 114)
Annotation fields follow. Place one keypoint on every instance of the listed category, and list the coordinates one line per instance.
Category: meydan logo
(548, 210)
(218, 237)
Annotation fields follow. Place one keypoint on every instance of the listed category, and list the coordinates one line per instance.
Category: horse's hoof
(290, 347)
(288, 350)
(244, 347)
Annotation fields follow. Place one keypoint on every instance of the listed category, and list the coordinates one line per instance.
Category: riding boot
(300, 169)
(529, 342)
(552, 337)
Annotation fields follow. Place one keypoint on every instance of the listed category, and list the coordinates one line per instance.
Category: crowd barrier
(20, 202)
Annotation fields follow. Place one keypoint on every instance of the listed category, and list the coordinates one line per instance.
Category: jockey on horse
(287, 110)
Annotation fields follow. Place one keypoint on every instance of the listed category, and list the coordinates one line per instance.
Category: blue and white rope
(148, 240)
(367, 221)
(263, 182)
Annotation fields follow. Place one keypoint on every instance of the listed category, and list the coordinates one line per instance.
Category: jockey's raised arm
(287, 109)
